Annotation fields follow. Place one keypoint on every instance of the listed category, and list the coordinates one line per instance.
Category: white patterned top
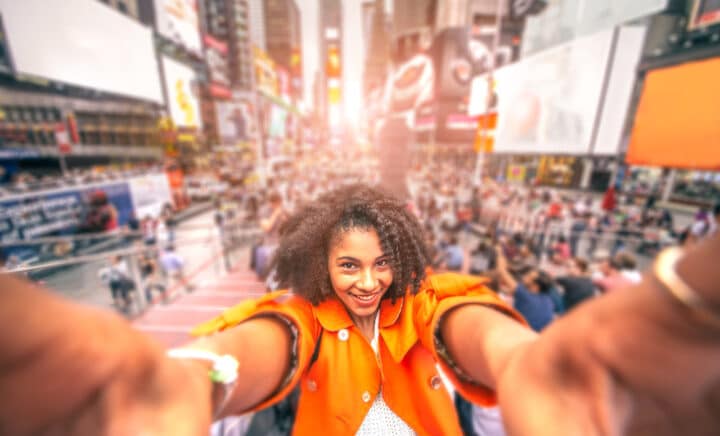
(380, 419)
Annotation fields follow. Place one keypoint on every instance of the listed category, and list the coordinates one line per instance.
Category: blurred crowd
(547, 250)
(25, 182)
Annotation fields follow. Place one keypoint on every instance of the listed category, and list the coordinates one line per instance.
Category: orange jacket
(340, 387)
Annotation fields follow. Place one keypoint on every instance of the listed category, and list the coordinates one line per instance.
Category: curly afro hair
(301, 260)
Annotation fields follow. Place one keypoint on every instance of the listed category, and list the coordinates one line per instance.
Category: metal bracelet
(665, 272)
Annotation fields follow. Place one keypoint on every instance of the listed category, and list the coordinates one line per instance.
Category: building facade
(331, 68)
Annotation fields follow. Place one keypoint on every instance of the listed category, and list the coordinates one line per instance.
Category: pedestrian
(117, 278)
(531, 293)
(151, 279)
(454, 254)
(577, 284)
(173, 266)
(609, 201)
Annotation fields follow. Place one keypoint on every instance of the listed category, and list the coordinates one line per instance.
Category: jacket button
(312, 385)
(366, 397)
(435, 382)
(343, 335)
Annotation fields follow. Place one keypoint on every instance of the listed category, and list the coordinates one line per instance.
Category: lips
(365, 299)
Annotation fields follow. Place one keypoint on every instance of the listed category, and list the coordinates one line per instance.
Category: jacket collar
(333, 316)
(396, 325)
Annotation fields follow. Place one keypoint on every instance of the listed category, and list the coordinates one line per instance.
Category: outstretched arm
(634, 361)
(71, 369)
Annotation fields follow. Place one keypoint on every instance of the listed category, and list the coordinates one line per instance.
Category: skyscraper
(377, 46)
(331, 36)
(283, 39)
(257, 23)
(229, 21)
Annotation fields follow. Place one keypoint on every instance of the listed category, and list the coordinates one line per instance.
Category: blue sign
(94, 209)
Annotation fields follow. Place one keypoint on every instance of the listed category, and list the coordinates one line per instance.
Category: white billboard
(82, 43)
(178, 21)
(564, 20)
(150, 194)
(182, 94)
(623, 77)
(548, 103)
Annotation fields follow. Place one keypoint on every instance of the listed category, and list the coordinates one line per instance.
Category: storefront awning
(677, 124)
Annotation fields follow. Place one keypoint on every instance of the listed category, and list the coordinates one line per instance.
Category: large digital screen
(183, 103)
(178, 21)
(548, 103)
(677, 123)
(82, 43)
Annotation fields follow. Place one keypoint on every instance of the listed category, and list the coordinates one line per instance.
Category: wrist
(698, 268)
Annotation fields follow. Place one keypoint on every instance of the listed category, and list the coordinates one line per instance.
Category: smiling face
(360, 271)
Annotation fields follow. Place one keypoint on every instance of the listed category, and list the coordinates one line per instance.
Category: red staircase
(170, 323)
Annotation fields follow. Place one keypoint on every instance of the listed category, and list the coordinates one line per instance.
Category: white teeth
(365, 297)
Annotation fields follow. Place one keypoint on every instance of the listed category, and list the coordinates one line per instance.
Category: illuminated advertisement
(177, 20)
(266, 77)
(59, 39)
(236, 120)
(548, 103)
(181, 89)
(215, 54)
(411, 84)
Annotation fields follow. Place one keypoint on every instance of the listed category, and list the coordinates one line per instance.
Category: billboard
(548, 103)
(411, 84)
(76, 42)
(178, 21)
(93, 208)
(237, 119)
(704, 13)
(677, 123)
(565, 20)
(217, 64)
(621, 83)
(150, 194)
(181, 87)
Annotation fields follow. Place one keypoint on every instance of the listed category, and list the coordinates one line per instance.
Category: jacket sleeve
(440, 294)
(294, 311)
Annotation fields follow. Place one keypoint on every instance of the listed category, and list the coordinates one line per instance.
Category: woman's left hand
(632, 362)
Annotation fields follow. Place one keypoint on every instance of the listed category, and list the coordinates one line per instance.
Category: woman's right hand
(71, 370)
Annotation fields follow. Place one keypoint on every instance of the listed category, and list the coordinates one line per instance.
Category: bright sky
(352, 47)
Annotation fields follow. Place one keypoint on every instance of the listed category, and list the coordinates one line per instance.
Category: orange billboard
(677, 124)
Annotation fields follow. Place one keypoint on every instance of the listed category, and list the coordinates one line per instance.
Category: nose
(367, 281)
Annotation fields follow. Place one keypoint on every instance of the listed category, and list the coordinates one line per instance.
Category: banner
(183, 101)
(236, 120)
(63, 212)
(178, 21)
(150, 194)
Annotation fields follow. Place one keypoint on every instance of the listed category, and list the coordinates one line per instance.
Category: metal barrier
(545, 232)
(80, 276)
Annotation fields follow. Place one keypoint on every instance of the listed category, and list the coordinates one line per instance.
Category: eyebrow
(350, 258)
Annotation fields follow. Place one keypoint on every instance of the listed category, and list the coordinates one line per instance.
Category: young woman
(361, 337)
